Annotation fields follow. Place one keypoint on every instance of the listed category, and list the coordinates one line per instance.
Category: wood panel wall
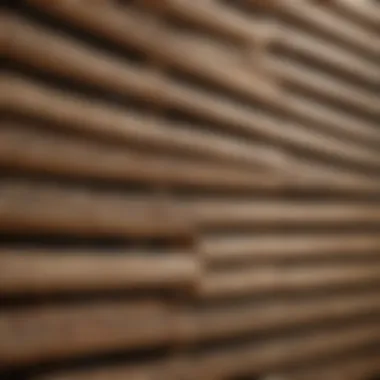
(190, 190)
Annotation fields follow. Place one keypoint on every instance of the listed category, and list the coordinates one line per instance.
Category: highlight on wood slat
(331, 25)
(271, 248)
(219, 213)
(43, 333)
(214, 16)
(128, 28)
(38, 208)
(316, 82)
(333, 121)
(77, 113)
(328, 54)
(27, 148)
(281, 279)
(90, 116)
(364, 12)
(32, 271)
(270, 356)
(275, 316)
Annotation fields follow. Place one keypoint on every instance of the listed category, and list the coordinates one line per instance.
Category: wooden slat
(259, 281)
(161, 90)
(353, 368)
(31, 271)
(37, 208)
(164, 369)
(273, 316)
(221, 213)
(77, 113)
(26, 148)
(335, 122)
(133, 29)
(328, 54)
(316, 82)
(330, 24)
(245, 248)
(365, 12)
(215, 17)
(52, 332)
(274, 355)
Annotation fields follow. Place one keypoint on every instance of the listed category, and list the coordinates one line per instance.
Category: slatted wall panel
(190, 190)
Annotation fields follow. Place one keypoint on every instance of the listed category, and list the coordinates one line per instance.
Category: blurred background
(190, 190)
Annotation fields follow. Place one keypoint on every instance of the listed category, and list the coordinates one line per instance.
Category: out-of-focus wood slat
(352, 368)
(217, 18)
(77, 113)
(259, 281)
(365, 12)
(244, 248)
(273, 316)
(32, 271)
(36, 208)
(316, 82)
(328, 54)
(330, 24)
(273, 355)
(164, 369)
(221, 213)
(52, 332)
(26, 148)
(129, 28)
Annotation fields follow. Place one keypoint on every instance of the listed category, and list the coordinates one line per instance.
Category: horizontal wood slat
(32, 208)
(274, 355)
(281, 279)
(45, 333)
(245, 248)
(216, 213)
(42, 271)
(189, 190)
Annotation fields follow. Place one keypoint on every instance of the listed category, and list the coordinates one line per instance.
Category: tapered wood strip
(358, 367)
(328, 54)
(297, 75)
(132, 29)
(242, 248)
(38, 208)
(258, 281)
(330, 24)
(219, 213)
(278, 353)
(77, 113)
(274, 316)
(31, 271)
(52, 332)
(214, 16)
